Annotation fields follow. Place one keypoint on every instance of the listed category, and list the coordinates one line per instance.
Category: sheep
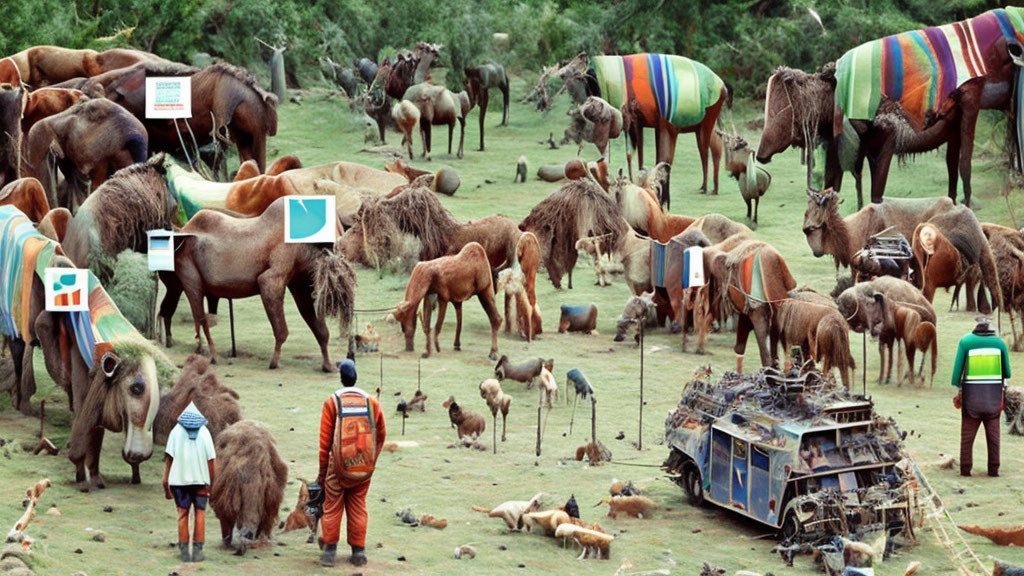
(470, 425)
(491, 392)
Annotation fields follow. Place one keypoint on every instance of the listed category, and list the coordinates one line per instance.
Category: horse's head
(822, 207)
(405, 315)
(795, 102)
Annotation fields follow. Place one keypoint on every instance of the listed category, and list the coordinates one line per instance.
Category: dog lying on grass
(512, 511)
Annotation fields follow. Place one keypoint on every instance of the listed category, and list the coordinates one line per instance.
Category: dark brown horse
(478, 84)
(801, 111)
(227, 104)
(394, 78)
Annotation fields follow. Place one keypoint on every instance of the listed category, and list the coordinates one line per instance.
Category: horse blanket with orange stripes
(675, 88)
(921, 68)
(24, 254)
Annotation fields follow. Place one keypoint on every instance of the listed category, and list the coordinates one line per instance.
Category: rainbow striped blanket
(25, 253)
(671, 87)
(919, 69)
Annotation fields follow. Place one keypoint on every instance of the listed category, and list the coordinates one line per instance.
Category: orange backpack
(355, 437)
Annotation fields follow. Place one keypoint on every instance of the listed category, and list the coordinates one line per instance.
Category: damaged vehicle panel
(795, 452)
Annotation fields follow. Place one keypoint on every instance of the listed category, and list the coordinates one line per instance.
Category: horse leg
(504, 100)
(881, 361)
(92, 458)
(303, 297)
(972, 288)
(888, 372)
(428, 311)
(192, 286)
(508, 320)
(749, 208)
(761, 322)
(272, 285)
(880, 171)
(486, 298)
(482, 102)
(172, 295)
(462, 134)
(953, 146)
(757, 206)
(451, 131)
(743, 328)
(18, 348)
(442, 309)
(638, 143)
(968, 123)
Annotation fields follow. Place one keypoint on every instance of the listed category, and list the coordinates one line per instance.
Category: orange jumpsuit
(339, 493)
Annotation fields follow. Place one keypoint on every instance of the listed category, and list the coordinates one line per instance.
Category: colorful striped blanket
(752, 279)
(671, 87)
(24, 252)
(919, 69)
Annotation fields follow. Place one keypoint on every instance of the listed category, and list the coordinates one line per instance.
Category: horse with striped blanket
(671, 94)
(902, 94)
(109, 371)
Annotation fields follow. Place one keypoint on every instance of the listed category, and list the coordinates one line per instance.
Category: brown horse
(447, 279)
(46, 102)
(643, 112)
(42, 66)
(9, 73)
(227, 104)
(27, 195)
(394, 78)
(214, 260)
(437, 106)
(478, 84)
(801, 110)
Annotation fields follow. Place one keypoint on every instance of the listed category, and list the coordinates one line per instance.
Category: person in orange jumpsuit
(350, 440)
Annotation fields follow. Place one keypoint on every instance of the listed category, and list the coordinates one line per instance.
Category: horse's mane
(167, 68)
(414, 211)
(243, 76)
(131, 202)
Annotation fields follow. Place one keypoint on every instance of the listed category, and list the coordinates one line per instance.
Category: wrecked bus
(799, 454)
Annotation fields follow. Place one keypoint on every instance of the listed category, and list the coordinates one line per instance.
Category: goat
(470, 425)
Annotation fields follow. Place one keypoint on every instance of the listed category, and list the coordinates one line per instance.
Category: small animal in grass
(594, 452)
(752, 178)
(571, 507)
(465, 551)
(368, 340)
(433, 522)
(1000, 569)
(512, 511)
(579, 383)
(497, 400)
(578, 319)
(470, 425)
(631, 506)
(550, 387)
(418, 403)
(520, 170)
(299, 518)
(526, 372)
(620, 488)
(407, 517)
(592, 544)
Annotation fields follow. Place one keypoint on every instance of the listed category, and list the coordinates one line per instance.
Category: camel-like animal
(607, 121)
(469, 425)
(1007, 247)
(914, 101)
(27, 195)
(867, 304)
(209, 260)
(447, 279)
(528, 255)
(437, 106)
(626, 81)
(249, 488)
(579, 209)
(915, 335)
(198, 384)
(812, 321)
(109, 371)
(9, 73)
(478, 84)
(951, 249)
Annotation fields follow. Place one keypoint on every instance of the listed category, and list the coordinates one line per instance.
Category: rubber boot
(358, 556)
(183, 552)
(197, 552)
(327, 558)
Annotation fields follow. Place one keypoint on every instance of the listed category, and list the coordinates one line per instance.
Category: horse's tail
(334, 287)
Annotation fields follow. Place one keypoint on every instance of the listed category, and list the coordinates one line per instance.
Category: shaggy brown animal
(518, 311)
(631, 506)
(299, 519)
(415, 211)
(197, 383)
(247, 492)
(578, 209)
(813, 322)
(999, 536)
(1007, 247)
(499, 235)
(27, 195)
(12, 100)
(497, 401)
(447, 279)
(915, 335)
(470, 425)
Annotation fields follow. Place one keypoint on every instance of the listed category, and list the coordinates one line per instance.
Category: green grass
(446, 482)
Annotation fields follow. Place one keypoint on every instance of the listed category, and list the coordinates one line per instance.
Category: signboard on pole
(169, 97)
(693, 267)
(66, 290)
(160, 250)
(310, 219)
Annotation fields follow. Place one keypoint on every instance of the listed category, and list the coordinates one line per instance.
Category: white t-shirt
(191, 457)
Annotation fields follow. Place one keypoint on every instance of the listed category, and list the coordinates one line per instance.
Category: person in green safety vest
(980, 373)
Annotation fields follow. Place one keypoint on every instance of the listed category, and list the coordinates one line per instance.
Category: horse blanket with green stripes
(675, 88)
(193, 192)
(921, 68)
(25, 253)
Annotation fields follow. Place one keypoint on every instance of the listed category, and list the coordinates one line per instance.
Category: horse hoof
(676, 328)
(493, 356)
(425, 355)
(458, 348)
(619, 337)
(273, 365)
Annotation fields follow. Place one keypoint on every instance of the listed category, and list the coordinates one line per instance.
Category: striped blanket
(671, 87)
(752, 279)
(25, 253)
(919, 69)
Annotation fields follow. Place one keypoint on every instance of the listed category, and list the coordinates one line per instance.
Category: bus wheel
(694, 485)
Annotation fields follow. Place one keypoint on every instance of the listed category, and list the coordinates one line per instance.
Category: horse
(478, 84)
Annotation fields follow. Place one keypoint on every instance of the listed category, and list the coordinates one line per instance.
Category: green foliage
(131, 288)
(743, 40)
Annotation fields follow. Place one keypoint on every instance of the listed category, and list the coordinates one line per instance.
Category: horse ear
(109, 363)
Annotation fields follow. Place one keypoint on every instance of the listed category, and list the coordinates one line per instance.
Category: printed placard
(310, 219)
(693, 267)
(169, 97)
(67, 290)
(160, 250)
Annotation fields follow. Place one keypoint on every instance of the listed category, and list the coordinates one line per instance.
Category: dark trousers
(968, 430)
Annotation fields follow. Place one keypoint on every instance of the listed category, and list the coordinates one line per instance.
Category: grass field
(446, 482)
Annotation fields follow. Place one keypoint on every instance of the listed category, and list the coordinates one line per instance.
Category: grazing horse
(903, 94)
(108, 370)
(447, 279)
(672, 94)
(478, 84)
(227, 257)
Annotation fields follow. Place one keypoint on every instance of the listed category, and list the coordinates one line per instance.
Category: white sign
(169, 97)
(693, 267)
(160, 250)
(66, 290)
(310, 219)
